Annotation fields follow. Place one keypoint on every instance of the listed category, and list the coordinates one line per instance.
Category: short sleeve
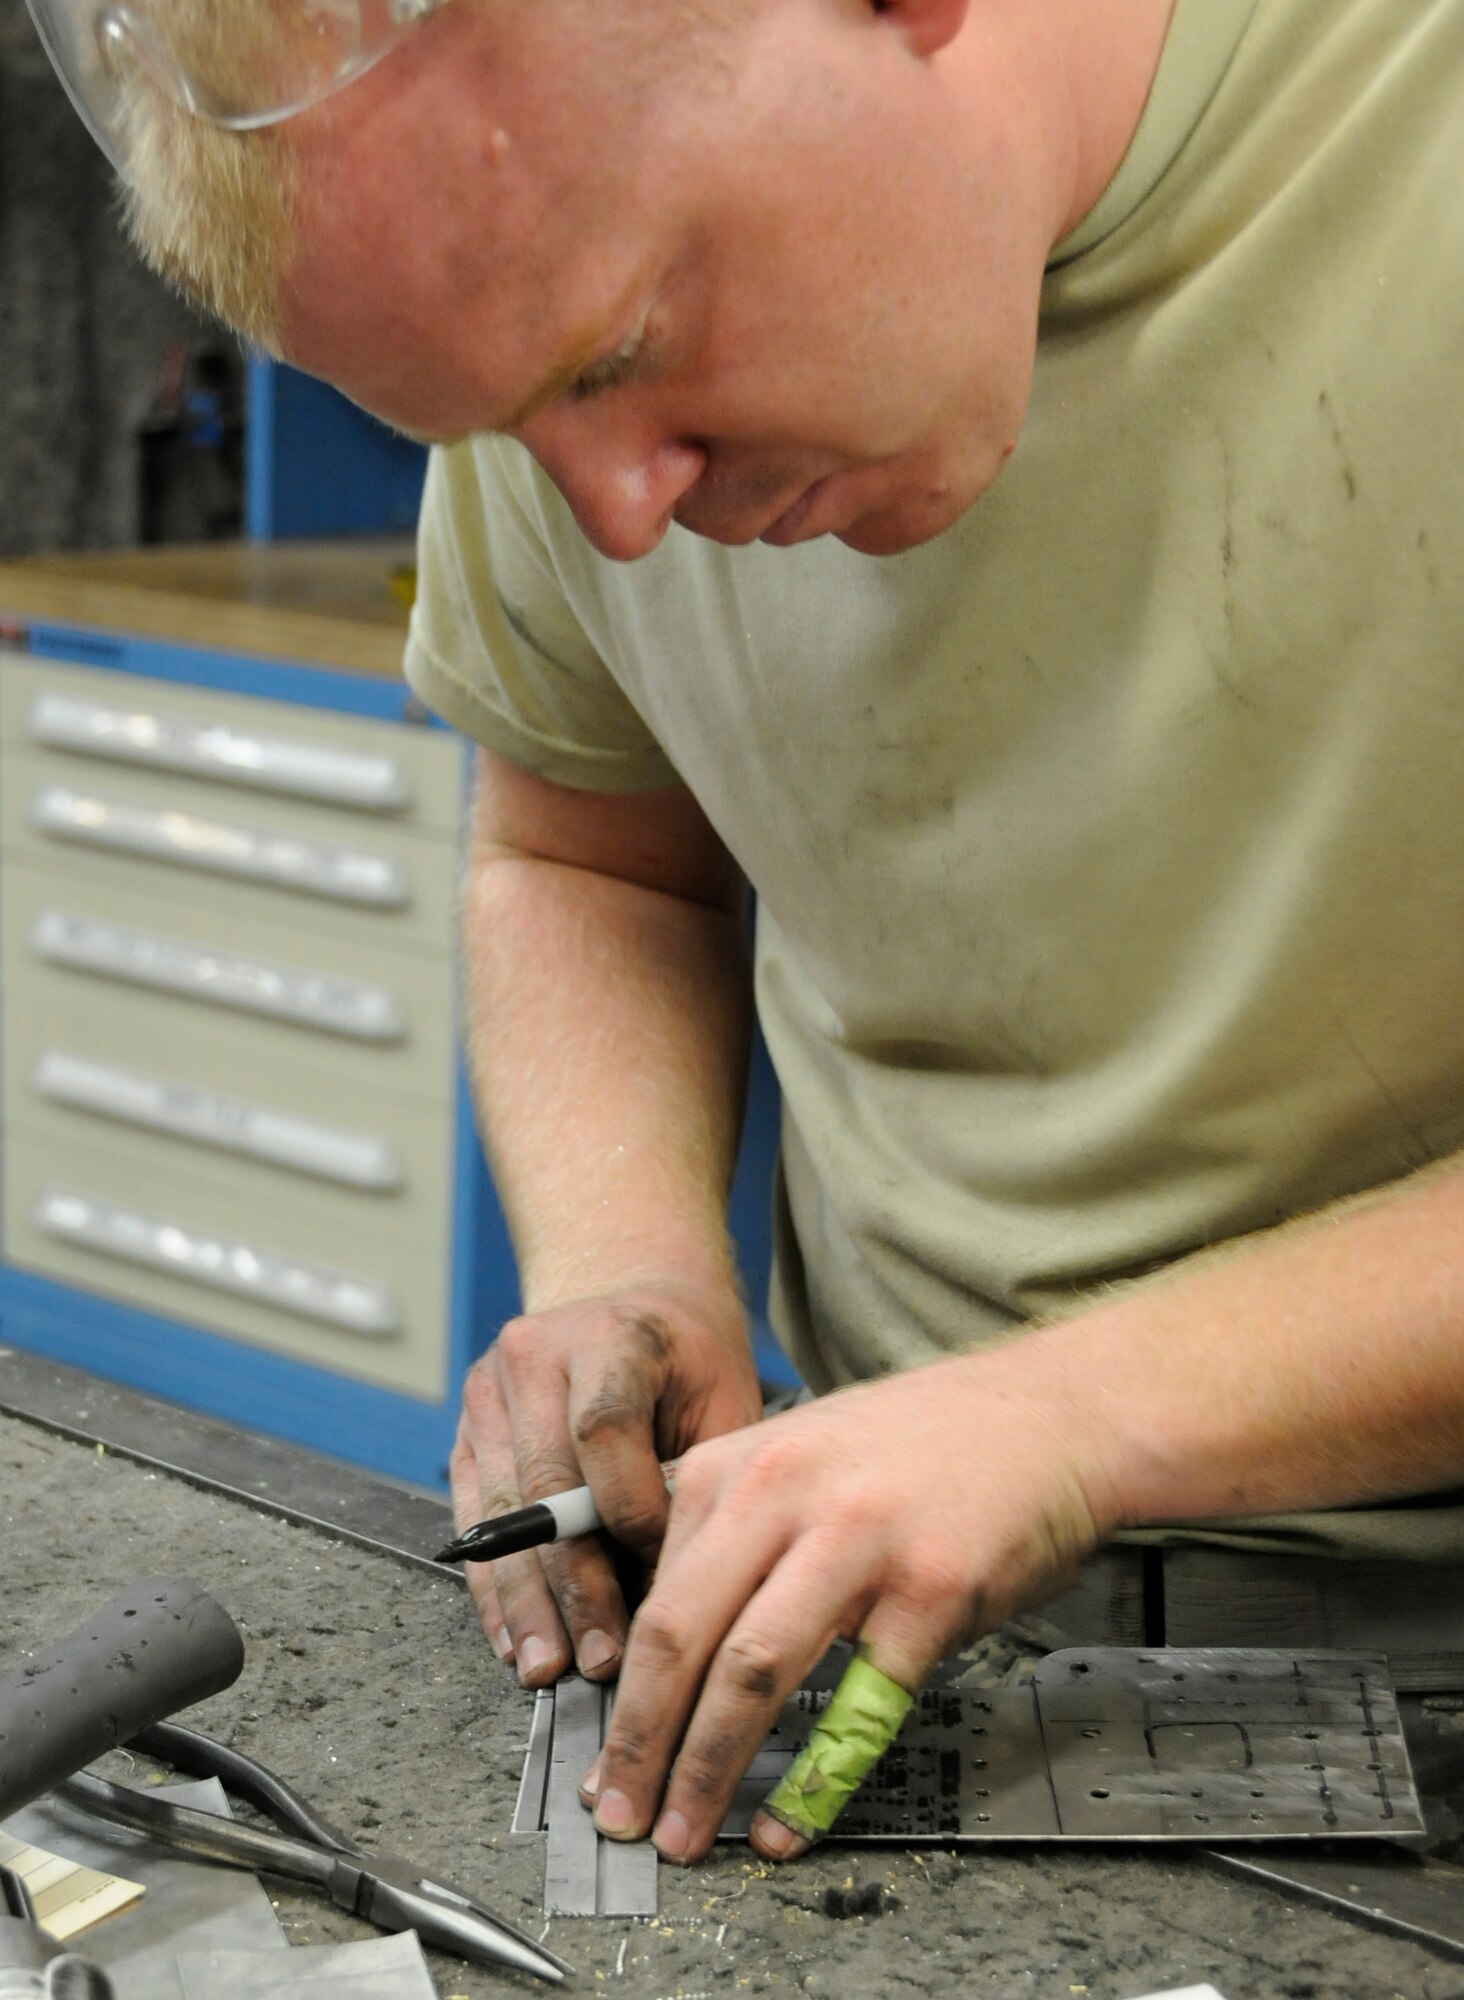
(496, 648)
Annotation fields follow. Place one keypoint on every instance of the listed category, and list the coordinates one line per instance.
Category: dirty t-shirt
(1108, 849)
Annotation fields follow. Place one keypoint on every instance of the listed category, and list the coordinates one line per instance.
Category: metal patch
(1107, 1743)
(1104, 1744)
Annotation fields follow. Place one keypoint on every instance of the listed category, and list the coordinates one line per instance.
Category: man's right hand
(600, 1392)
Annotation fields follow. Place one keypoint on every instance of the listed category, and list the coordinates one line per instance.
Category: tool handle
(157, 1646)
(233, 1842)
(24, 1947)
(201, 1757)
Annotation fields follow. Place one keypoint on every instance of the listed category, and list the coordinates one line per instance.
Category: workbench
(368, 1685)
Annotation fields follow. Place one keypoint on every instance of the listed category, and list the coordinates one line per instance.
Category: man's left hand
(911, 1514)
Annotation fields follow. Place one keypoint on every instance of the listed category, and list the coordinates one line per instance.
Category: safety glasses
(237, 63)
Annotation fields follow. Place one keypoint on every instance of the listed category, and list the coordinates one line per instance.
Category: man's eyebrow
(565, 372)
(577, 355)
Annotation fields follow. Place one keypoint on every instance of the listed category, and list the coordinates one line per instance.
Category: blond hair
(209, 208)
(211, 211)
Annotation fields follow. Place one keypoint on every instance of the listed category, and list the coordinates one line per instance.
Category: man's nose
(622, 481)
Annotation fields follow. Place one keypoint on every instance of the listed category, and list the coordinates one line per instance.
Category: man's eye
(607, 374)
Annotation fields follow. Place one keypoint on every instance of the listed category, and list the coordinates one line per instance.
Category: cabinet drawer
(256, 858)
(414, 1216)
(234, 744)
(212, 1247)
(396, 1153)
(248, 1006)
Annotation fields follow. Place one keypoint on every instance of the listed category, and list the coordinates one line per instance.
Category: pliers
(393, 1894)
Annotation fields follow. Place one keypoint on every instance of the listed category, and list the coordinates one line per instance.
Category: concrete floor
(368, 1686)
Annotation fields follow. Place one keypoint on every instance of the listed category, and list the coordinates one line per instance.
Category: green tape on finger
(863, 1719)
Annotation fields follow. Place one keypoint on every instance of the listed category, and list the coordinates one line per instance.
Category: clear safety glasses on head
(238, 63)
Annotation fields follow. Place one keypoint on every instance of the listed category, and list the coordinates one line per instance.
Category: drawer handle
(310, 1291)
(223, 979)
(280, 860)
(231, 1124)
(218, 751)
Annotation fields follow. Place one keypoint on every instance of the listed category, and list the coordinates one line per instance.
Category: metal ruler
(585, 1875)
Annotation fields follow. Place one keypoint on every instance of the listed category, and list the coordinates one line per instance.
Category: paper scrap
(68, 1898)
(188, 1905)
(1185, 1993)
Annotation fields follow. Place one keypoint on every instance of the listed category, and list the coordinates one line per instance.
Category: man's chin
(898, 530)
(910, 522)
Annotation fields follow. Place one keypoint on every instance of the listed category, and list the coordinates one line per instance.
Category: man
(1105, 836)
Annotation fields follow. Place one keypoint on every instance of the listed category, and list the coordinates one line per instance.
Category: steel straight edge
(289, 1481)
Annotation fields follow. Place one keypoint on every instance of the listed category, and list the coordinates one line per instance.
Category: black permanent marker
(553, 1520)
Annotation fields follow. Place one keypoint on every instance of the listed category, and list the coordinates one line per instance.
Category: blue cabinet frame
(314, 464)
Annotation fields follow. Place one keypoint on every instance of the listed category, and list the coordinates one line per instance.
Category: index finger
(515, 1603)
(731, 1626)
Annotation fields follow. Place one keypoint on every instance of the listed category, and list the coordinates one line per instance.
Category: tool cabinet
(238, 1161)
(238, 1165)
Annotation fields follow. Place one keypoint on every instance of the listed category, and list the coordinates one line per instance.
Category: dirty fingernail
(590, 1783)
(672, 1836)
(596, 1649)
(613, 1813)
(534, 1655)
(778, 1842)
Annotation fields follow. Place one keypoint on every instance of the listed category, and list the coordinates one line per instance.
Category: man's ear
(928, 26)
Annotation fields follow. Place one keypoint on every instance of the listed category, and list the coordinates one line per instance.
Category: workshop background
(98, 445)
(125, 426)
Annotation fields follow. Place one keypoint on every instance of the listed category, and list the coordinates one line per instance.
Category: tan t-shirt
(1109, 849)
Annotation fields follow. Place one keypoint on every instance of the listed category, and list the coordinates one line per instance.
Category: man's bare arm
(608, 1011)
(1318, 1365)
